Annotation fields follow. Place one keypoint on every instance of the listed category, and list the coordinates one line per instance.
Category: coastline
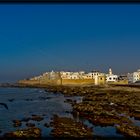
(106, 105)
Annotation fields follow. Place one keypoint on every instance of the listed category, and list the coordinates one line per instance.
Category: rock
(129, 130)
(28, 99)
(46, 125)
(37, 118)
(66, 127)
(30, 124)
(25, 133)
(17, 123)
(26, 119)
(11, 100)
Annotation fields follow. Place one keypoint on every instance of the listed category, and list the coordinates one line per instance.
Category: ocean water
(24, 102)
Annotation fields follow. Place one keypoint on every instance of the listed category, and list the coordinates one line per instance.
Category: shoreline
(129, 87)
(107, 105)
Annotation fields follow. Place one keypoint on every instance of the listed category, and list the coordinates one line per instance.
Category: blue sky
(39, 38)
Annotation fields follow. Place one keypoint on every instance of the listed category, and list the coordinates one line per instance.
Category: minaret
(110, 71)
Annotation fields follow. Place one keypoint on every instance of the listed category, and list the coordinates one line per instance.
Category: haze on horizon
(39, 38)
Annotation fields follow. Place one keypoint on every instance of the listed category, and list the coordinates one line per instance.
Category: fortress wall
(120, 82)
(77, 81)
(29, 82)
(40, 82)
(51, 82)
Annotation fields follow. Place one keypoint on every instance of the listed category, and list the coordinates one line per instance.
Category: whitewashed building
(134, 77)
(65, 75)
(72, 75)
(111, 77)
(94, 74)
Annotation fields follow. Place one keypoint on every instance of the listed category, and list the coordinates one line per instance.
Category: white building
(75, 75)
(133, 77)
(111, 77)
(46, 73)
(71, 75)
(36, 77)
(65, 75)
(94, 74)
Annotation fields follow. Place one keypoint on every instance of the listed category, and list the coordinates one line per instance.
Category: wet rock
(48, 98)
(69, 101)
(45, 98)
(25, 133)
(46, 125)
(129, 130)
(11, 100)
(36, 118)
(66, 127)
(26, 119)
(109, 120)
(108, 105)
(5, 105)
(135, 114)
(28, 99)
(30, 124)
(67, 111)
(17, 123)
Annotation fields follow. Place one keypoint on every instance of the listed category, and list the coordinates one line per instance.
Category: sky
(37, 38)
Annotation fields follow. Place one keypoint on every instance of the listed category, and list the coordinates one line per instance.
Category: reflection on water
(23, 102)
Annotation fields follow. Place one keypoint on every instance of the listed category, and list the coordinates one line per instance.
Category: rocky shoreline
(107, 106)
(67, 127)
(101, 105)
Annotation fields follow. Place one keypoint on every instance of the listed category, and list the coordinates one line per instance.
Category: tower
(110, 71)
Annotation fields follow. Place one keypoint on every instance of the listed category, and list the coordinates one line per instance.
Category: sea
(25, 102)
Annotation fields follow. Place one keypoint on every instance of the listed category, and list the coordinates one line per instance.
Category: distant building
(111, 77)
(134, 77)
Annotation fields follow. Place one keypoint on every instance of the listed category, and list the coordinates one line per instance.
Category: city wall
(120, 82)
(77, 81)
(58, 82)
(40, 82)
(69, 82)
(29, 82)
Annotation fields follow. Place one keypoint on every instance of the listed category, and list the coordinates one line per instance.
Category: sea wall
(51, 82)
(40, 82)
(29, 82)
(120, 82)
(77, 81)
(70, 82)
(58, 82)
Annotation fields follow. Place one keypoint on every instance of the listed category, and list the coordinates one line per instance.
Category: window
(101, 78)
(110, 78)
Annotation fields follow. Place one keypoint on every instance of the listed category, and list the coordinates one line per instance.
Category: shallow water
(23, 102)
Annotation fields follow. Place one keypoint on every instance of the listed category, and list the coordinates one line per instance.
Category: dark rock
(30, 124)
(25, 133)
(26, 119)
(11, 100)
(129, 130)
(17, 123)
(66, 127)
(46, 125)
(37, 118)
(28, 99)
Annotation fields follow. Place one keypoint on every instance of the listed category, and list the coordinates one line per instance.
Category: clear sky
(39, 38)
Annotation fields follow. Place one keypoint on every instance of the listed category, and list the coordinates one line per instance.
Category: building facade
(110, 77)
(134, 77)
